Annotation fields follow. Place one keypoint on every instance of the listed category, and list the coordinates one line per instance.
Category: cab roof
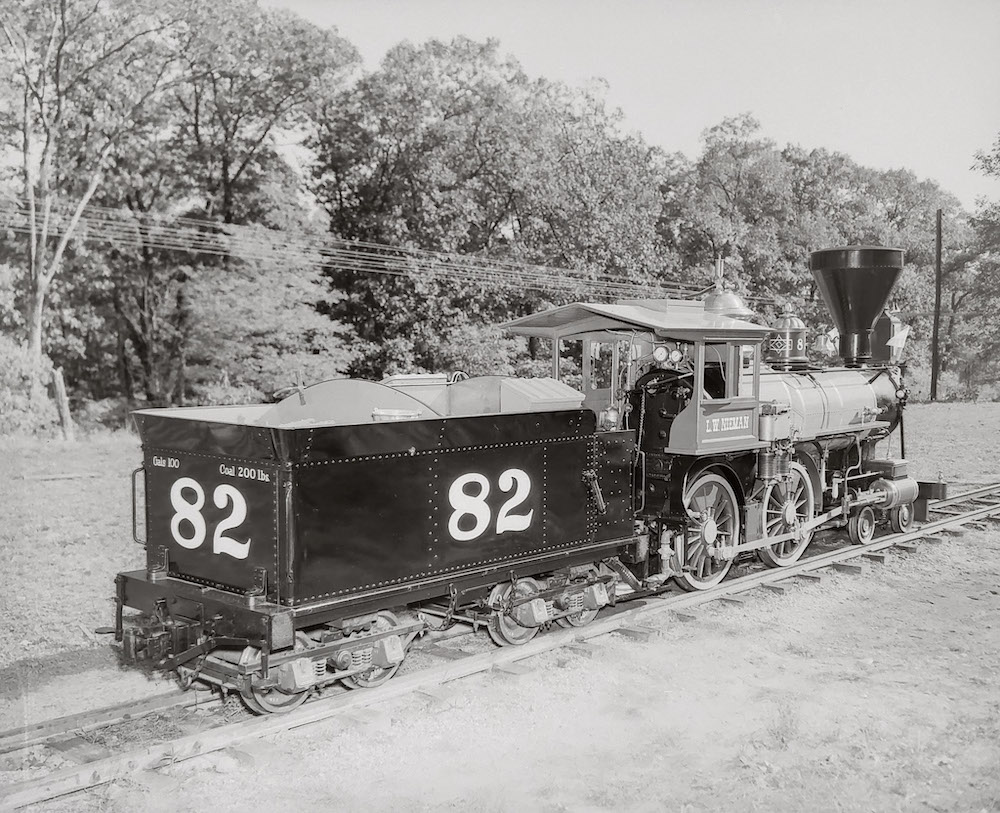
(681, 320)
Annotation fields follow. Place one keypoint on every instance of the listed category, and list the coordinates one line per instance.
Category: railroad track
(970, 509)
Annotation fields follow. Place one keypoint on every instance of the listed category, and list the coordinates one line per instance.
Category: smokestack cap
(856, 257)
(855, 282)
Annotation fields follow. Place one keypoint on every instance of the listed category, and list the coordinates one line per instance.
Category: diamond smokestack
(856, 282)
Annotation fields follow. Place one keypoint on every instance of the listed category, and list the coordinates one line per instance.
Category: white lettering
(729, 423)
(189, 511)
(474, 505)
(245, 472)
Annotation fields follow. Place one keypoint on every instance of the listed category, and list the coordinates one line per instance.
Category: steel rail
(99, 772)
(59, 728)
(17, 739)
(965, 496)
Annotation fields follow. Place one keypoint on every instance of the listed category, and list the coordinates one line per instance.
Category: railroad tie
(852, 568)
(80, 750)
(367, 717)
(513, 669)
(875, 556)
(436, 694)
(636, 632)
(582, 648)
(446, 652)
(733, 600)
(810, 575)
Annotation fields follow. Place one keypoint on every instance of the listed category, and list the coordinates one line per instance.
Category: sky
(909, 84)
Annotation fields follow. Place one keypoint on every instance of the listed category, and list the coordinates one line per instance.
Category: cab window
(747, 363)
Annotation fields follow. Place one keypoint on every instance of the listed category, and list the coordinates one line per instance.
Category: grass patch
(65, 531)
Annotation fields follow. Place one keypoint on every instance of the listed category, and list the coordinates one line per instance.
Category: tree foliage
(83, 71)
(764, 209)
(215, 90)
(451, 147)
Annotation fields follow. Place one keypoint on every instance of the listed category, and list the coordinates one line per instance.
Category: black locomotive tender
(310, 541)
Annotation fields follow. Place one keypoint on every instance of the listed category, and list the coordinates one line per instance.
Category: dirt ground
(863, 693)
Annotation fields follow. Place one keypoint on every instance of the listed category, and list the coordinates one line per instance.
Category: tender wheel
(714, 516)
(901, 518)
(580, 619)
(787, 505)
(861, 526)
(377, 675)
(272, 700)
(503, 629)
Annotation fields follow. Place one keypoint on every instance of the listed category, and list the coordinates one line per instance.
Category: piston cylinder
(897, 492)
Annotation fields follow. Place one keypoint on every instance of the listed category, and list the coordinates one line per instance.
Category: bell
(726, 303)
(723, 302)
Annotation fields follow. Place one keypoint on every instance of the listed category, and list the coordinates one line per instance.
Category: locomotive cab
(711, 408)
(684, 379)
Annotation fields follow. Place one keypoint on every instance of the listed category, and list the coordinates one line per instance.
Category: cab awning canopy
(675, 319)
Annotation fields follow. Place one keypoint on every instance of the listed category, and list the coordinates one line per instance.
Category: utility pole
(935, 353)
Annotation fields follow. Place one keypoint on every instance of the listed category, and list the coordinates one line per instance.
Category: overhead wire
(196, 226)
(258, 244)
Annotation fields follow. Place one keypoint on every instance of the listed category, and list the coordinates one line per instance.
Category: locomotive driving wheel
(714, 520)
(787, 504)
(503, 627)
(271, 699)
(377, 675)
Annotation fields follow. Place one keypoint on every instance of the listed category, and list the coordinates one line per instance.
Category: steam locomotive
(297, 544)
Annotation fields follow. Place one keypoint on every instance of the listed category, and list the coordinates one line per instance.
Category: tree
(987, 220)
(205, 150)
(972, 283)
(84, 71)
(450, 147)
(736, 204)
(249, 73)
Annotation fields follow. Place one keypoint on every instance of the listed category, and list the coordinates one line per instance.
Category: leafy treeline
(238, 116)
